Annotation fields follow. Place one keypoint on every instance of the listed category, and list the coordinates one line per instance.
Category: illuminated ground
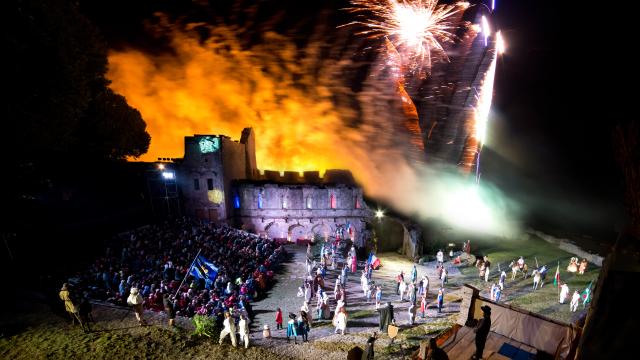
(39, 333)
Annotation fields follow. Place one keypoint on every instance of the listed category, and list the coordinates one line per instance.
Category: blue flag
(204, 269)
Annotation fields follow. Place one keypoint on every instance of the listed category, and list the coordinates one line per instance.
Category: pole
(558, 281)
(6, 243)
(187, 274)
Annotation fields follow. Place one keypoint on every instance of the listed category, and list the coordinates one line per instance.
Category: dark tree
(112, 128)
(56, 90)
(66, 135)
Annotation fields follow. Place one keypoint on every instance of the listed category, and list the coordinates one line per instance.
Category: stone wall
(225, 185)
(234, 168)
(412, 241)
(205, 179)
(301, 211)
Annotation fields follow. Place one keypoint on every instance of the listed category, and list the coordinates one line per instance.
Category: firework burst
(416, 28)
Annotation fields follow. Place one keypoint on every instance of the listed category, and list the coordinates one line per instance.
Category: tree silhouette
(57, 101)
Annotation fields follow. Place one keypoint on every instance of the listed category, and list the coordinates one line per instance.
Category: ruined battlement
(331, 176)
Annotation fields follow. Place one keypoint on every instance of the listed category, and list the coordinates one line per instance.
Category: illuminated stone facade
(219, 181)
(302, 210)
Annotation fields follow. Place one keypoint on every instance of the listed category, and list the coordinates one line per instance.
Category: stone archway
(275, 230)
(323, 230)
(297, 231)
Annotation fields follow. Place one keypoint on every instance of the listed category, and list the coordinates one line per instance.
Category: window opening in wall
(210, 184)
(309, 202)
(196, 184)
(332, 201)
(236, 201)
(260, 199)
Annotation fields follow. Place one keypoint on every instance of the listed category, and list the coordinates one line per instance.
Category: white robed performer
(443, 276)
(402, 289)
(564, 292)
(136, 300)
(339, 306)
(229, 329)
(440, 257)
(575, 300)
(425, 284)
(486, 273)
(341, 322)
(244, 331)
(364, 282)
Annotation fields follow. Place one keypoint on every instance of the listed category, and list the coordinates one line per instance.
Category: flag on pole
(556, 278)
(586, 294)
(204, 269)
(374, 261)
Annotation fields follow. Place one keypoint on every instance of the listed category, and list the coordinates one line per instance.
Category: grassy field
(54, 342)
(519, 292)
(41, 334)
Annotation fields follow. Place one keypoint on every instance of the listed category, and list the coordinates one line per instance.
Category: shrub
(205, 325)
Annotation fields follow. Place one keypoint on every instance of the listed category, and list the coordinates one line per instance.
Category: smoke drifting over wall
(304, 103)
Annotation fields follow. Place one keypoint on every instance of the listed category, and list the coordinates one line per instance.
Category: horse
(536, 279)
(515, 268)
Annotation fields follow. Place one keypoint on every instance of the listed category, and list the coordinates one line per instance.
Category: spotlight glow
(500, 44)
(486, 29)
(168, 175)
(465, 208)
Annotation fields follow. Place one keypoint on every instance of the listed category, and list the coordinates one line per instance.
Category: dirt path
(363, 319)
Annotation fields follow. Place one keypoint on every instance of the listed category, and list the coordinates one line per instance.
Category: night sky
(548, 144)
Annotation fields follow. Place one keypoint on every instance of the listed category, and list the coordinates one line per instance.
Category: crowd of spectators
(156, 258)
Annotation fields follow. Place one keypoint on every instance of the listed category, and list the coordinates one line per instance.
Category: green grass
(545, 300)
(342, 347)
(414, 335)
(52, 341)
(362, 314)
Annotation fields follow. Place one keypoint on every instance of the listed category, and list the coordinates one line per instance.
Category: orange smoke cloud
(299, 107)
(218, 87)
(294, 99)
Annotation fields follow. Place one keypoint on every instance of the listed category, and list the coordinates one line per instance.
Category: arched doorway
(321, 230)
(297, 232)
(276, 230)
